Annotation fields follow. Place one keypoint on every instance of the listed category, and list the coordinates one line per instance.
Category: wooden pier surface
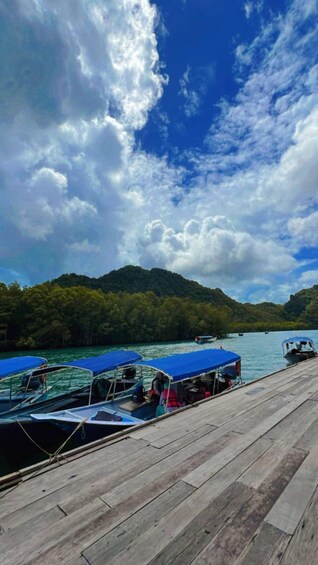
(231, 480)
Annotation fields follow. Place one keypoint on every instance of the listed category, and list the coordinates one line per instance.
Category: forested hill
(163, 283)
(302, 306)
(133, 305)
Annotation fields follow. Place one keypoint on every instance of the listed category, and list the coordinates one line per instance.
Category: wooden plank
(303, 547)
(308, 440)
(107, 548)
(209, 468)
(279, 550)
(20, 535)
(203, 528)
(133, 503)
(191, 437)
(248, 420)
(103, 482)
(301, 420)
(267, 541)
(289, 508)
(172, 437)
(200, 451)
(66, 531)
(155, 539)
(41, 486)
(284, 426)
(307, 383)
(86, 484)
(230, 542)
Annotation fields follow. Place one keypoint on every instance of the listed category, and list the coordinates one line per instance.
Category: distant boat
(266, 332)
(240, 334)
(205, 339)
(298, 348)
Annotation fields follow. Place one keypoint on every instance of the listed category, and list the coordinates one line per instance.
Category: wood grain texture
(303, 547)
(237, 533)
(289, 508)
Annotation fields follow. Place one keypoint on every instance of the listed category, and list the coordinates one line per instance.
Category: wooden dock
(231, 480)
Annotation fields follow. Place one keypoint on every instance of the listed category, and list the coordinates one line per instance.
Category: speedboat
(298, 348)
(189, 377)
(200, 339)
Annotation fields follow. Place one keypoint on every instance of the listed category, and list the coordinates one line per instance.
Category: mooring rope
(52, 457)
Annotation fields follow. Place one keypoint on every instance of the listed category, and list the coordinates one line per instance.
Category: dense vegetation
(133, 305)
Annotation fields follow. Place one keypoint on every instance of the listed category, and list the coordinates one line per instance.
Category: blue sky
(180, 134)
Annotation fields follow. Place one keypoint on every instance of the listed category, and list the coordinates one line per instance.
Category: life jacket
(169, 399)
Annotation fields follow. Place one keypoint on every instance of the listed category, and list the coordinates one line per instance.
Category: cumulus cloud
(77, 79)
(215, 249)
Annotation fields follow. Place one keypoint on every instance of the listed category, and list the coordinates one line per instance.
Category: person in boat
(222, 382)
(168, 400)
(31, 382)
(157, 385)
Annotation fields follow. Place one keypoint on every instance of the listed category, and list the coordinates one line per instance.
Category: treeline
(49, 316)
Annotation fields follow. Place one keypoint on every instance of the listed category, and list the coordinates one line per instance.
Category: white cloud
(70, 101)
(304, 230)
(194, 87)
(252, 6)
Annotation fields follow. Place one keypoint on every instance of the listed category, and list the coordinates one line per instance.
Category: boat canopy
(188, 365)
(297, 339)
(107, 362)
(204, 337)
(16, 365)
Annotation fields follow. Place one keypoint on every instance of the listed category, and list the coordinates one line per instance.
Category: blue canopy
(15, 365)
(188, 365)
(108, 362)
(297, 339)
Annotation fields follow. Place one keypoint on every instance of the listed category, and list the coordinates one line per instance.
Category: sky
(180, 134)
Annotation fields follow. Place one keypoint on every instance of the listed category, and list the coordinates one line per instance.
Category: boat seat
(131, 406)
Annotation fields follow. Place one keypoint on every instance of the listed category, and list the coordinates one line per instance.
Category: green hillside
(162, 283)
(133, 305)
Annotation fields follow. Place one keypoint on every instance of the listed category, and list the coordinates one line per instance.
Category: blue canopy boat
(298, 348)
(105, 376)
(186, 378)
(46, 386)
(15, 392)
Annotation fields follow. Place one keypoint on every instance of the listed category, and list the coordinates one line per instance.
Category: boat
(46, 386)
(200, 339)
(298, 348)
(17, 392)
(94, 379)
(190, 377)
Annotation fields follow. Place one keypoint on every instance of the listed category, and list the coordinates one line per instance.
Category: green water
(261, 355)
